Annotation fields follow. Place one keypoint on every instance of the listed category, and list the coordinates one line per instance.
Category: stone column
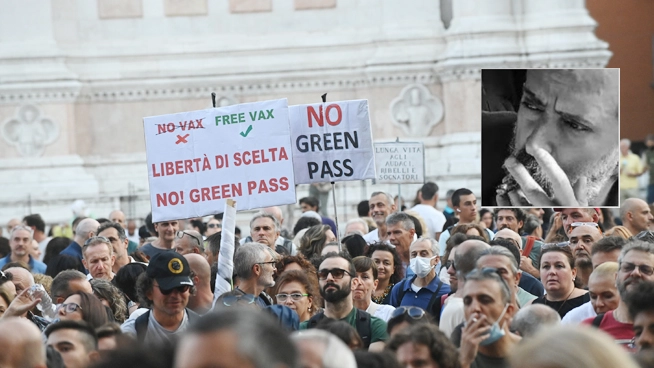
(559, 33)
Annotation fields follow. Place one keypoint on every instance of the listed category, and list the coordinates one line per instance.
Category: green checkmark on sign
(245, 134)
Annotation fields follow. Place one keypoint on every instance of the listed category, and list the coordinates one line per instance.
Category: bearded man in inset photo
(564, 147)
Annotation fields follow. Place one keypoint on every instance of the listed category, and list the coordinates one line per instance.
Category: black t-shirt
(483, 361)
(564, 306)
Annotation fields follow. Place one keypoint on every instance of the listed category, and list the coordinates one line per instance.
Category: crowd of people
(414, 287)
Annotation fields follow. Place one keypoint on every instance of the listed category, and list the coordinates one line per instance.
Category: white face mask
(421, 266)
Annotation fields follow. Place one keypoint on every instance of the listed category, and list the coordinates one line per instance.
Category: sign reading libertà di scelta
(332, 142)
(199, 159)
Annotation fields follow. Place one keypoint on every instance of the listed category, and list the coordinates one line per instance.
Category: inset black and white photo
(550, 137)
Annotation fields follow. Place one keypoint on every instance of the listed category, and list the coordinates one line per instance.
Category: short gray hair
(389, 198)
(335, 355)
(497, 250)
(435, 249)
(530, 319)
(259, 215)
(637, 245)
(484, 274)
(21, 227)
(246, 256)
(95, 241)
(401, 217)
(358, 220)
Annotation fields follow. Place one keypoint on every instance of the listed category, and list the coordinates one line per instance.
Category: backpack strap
(597, 321)
(363, 327)
(436, 313)
(528, 246)
(402, 292)
(315, 319)
(141, 326)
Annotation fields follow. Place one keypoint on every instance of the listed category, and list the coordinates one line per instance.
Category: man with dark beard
(565, 146)
(582, 239)
(636, 265)
(337, 278)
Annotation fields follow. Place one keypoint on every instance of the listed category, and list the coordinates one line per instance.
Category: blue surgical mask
(496, 332)
(421, 266)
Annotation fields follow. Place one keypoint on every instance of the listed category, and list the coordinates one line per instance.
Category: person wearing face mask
(423, 289)
(485, 339)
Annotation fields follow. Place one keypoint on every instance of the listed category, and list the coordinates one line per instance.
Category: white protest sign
(332, 142)
(198, 159)
(400, 162)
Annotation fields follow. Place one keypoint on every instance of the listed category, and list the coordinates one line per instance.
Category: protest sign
(198, 159)
(332, 142)
(400, 162)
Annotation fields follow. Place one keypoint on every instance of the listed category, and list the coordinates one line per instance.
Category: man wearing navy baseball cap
(165, 288)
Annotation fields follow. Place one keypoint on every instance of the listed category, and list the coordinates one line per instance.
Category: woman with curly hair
(314, 240)
(110, 297)
(389, 270)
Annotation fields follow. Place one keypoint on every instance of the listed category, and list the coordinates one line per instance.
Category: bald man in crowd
(636, 215)
(582, 239)
(21, 344)
(86, 229)
(200, 303)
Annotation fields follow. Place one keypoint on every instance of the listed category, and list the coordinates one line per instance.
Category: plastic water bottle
(45, 305)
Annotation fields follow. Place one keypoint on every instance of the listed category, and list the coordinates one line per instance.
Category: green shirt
(535, 252)
(377, 326)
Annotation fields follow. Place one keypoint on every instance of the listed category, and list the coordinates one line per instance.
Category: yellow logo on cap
(175, 266)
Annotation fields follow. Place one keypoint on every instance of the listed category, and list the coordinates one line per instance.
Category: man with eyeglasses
(582, 239)
(188, 241)
(213, 226)
(164, 287)
(636, 266)
(166, 232)
(337, 278)
(99, 258)
(486, 340)
(636, 215)
(254, 266)
(20, 242)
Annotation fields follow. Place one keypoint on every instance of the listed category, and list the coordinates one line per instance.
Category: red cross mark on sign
(182, 139)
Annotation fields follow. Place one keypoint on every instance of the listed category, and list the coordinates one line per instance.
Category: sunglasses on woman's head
(230, 300)
(556, 245)
(413, 312)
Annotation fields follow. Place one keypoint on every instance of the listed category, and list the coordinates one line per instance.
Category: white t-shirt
(371, 237)
(381, 311)
(579, 314)
(433, 218)
(452, 315)
(156, 333)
